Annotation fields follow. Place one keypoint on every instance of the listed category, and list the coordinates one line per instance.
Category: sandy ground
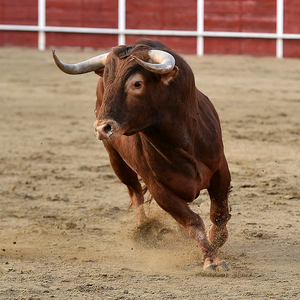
(64, 231)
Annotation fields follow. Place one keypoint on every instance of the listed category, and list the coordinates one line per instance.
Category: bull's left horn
(90, 65)
(163, 62)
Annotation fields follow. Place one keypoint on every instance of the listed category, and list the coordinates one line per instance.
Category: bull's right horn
(163, 62)
(93, 64)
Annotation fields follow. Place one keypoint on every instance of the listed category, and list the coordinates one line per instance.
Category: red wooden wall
(291, 48)
(219, 15)
(82, 13)
(164, 15)
(240, 16)
(18, 12)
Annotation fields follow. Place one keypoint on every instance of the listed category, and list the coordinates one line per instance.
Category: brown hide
(166, 131)
(160, 127)
(171, 132)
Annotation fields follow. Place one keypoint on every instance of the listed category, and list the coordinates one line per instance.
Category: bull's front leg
(191, 221)
(211, 259)
(130, 179)
(219, 210)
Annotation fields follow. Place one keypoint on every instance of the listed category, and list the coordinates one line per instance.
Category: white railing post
(121, 21)
(279, 28)
(41, 25)
(200, 27)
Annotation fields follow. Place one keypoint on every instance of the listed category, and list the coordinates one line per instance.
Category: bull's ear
(100, 72)
(167, 78)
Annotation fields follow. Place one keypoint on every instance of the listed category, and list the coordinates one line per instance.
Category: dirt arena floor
(64, 231)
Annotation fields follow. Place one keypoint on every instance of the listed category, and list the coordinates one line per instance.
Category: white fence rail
(121, 31)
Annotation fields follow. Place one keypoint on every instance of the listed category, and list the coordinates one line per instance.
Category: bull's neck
(173, 129)
(174, 124)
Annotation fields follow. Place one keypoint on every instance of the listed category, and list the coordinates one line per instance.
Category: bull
(155, 123)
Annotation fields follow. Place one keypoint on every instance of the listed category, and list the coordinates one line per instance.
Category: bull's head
(129, 98)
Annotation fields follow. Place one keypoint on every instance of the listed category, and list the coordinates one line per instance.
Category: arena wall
(254, 27)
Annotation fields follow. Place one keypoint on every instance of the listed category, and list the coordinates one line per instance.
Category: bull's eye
(135, 84)
(138, 84)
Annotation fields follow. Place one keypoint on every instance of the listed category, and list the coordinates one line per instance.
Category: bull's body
(160, 127)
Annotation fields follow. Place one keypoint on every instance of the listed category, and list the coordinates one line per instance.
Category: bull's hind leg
(219, 210)
(130, 179)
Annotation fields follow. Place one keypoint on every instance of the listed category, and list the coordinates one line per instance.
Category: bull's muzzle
(106, 129)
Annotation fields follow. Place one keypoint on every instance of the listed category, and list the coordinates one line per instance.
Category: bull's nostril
(107, 128)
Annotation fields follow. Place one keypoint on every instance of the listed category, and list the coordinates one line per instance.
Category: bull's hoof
(212, 266)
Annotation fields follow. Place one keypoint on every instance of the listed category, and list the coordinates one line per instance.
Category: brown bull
(155, 123)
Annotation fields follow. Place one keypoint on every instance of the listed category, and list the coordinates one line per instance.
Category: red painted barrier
(164, 15)
(219, 15)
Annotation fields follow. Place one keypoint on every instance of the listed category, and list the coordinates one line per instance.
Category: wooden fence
(254, 27)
